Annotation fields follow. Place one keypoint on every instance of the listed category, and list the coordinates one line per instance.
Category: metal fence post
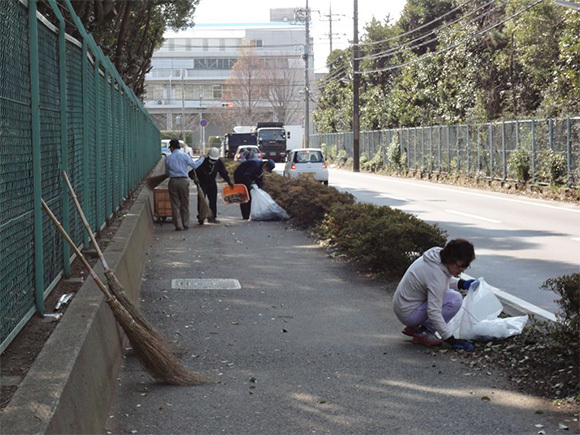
(36, 156)
(551, 130)
(98, 146)
(533, 151)
(439, 150)
(467, 166)
(85, 193)
(568, 152)
(490, 151)
(503, 152)
(63, 133)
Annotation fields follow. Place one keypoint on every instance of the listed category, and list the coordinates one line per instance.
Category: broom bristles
(155, 180)
(155, 356)
(204, 209)
(120, 294)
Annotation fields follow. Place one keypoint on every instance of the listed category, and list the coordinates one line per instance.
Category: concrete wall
(70, 385)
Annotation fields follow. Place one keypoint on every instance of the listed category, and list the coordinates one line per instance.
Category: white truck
(294, 137)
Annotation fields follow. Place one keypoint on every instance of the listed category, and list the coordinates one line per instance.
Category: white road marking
(474, 216)
(205, 284)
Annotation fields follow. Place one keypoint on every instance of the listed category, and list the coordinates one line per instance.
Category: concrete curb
(70, 386)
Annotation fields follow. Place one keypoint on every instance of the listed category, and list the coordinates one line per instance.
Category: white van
(165, 148)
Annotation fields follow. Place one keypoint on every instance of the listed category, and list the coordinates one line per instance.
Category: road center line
(474, 216)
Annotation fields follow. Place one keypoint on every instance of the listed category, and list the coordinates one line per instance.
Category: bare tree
(244, 87)
(261, 89)
(283, 86)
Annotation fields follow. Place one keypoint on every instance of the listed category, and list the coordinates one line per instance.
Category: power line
(416, 28)
(408, 45)
(463, 41)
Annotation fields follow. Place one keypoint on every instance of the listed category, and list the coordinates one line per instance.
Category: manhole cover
(205, 284)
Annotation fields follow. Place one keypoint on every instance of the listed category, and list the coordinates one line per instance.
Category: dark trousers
(210, 192)
(245, 208)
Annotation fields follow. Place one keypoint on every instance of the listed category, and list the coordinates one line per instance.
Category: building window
(205, 44)
(171, 45)
(213, 64)
(217, 92)
(222, 44)
(258, 42)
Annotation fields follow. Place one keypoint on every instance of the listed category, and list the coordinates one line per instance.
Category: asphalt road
(520, 242)
(302, 345)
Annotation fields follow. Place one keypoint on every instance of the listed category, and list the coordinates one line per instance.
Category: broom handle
(76, 250)
(85, 222)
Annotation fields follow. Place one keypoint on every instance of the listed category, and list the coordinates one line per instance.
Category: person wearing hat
(206, 174)
(249, 172)
(176, 165)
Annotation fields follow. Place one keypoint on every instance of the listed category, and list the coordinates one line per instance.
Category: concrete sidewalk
(296, 343)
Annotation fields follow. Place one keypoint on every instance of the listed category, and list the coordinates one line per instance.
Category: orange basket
(235, 195)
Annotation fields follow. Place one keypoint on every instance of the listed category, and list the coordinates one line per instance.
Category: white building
(186, 82)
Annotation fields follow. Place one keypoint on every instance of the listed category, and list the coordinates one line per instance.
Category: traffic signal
(227, 105)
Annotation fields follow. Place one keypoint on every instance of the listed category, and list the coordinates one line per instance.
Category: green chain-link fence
(63, 106)
(548, 147)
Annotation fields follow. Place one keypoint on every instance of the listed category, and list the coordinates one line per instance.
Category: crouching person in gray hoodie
(426, 298)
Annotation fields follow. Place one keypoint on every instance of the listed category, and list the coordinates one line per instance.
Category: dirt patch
(19, 356)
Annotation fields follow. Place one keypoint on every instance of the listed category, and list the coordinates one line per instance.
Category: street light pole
(201, 140)
(183, 106)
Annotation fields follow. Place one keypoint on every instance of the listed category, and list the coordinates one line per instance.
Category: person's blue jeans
(451, 304)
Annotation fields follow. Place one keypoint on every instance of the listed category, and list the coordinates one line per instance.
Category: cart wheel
(164, 218)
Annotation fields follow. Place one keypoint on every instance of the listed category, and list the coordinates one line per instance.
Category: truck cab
(271, 138)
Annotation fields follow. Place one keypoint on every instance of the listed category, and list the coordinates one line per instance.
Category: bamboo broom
(156, 180)
(114, 285)
(153, 353)
(204, 209)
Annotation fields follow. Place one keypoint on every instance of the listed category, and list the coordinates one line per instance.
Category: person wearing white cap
(206, 174)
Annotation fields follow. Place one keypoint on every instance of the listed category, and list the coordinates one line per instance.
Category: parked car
(306, 162)
(245, 152)
(165, 148)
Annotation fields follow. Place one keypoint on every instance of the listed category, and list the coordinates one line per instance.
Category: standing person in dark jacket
(249, 172)
(206, 174)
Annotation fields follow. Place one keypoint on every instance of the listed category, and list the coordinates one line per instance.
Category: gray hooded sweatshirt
(427, 279)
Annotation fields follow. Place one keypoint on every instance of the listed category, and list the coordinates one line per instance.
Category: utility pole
(330, 26)
(306, 84)
(330, 20)
(355, 96)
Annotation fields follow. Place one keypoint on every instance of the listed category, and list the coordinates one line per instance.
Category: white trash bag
(264, 208)
(477, 319)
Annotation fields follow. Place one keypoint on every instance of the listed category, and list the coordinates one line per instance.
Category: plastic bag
(477, 319)
(264, 208)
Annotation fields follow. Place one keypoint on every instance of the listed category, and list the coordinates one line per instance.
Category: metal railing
(63, 106)
(550, 148)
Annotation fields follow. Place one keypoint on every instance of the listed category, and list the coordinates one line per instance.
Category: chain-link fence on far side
(63, 107)
(542, 151)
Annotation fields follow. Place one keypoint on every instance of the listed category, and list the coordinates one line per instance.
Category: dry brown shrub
(306, 201)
